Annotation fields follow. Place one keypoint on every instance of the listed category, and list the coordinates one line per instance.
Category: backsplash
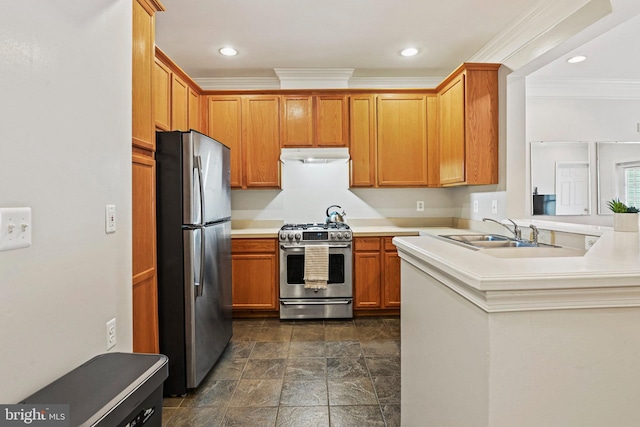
(308, 189)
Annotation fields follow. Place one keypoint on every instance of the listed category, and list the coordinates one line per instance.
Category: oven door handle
(301, 248)
(341, 302)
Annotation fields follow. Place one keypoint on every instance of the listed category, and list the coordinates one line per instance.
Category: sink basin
(505, 247)
(473, 238)
(485, 244)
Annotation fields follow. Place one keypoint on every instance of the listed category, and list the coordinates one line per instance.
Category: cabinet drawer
(388, 245)
(253, 245)
(367, 244)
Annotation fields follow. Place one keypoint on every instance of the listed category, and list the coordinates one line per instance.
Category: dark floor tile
(172, 402)
(306, 349)
(238, 350)
(270, 350)
(370, 333)
(346, 367)
(391, 414)
(264, 368)
(304, 393)
(356, 416)
(368, 322)
(250, 417)
(257, 321)
(230, 369)
(387, 389)
(340, 333)
(212, 393)
(383, 366)
(351, 391)
(306, 368)
(381, 348)
(245, 333)
(190, 417)
(275, 333)
(311, 416)
(308, 332)
(167, 413)
(343, 349)
(257, 393)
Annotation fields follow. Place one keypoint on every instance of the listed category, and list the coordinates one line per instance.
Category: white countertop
(607, 275)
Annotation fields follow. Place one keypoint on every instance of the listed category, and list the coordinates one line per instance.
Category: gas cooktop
(316, 226)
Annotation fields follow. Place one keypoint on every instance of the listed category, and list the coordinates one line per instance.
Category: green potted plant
(625, 218)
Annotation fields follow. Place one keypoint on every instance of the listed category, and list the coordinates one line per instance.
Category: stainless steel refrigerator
(194, 255)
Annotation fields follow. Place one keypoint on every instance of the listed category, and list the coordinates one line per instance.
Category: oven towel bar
(316, 267)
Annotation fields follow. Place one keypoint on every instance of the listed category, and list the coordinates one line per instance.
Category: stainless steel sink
(488, 241)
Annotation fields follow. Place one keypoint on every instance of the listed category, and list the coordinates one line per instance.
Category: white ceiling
(367, 35)
(362, 34)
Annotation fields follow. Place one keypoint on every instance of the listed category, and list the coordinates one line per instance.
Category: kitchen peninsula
(490, 341)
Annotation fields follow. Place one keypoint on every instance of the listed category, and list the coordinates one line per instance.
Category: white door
(572, 188)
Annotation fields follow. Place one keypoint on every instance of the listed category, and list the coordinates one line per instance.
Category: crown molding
(543, 27)
(238, 83)
(582, 88)
(394, 82)
(314, 78)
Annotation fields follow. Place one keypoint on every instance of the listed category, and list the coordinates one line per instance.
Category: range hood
(314, 155)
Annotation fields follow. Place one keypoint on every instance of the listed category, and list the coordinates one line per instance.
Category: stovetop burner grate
(316, 226)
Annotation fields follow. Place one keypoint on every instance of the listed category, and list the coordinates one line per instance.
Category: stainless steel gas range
(299, 302)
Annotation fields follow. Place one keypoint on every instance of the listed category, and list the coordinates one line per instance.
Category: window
(632, 185)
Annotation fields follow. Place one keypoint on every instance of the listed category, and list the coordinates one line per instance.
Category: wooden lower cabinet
(255, 274)
(376, 273)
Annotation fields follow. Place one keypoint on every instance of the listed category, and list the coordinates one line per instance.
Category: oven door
(292, 273)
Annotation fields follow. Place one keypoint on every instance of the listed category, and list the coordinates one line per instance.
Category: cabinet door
(162, 96)
(452, 133)
(225, 125)
(179, 104)
(261, 140)
(363, 140)
(143, 228)
(366, 279)
(402, 140)
(331, 121)
(142, 120)
(254, 281)
(391, 288)
(297, 121)
(194, 110)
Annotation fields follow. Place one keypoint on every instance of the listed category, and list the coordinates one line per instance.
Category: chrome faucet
(534, 233)
(516, 230)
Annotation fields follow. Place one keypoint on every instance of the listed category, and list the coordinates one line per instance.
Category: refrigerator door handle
(197, 160)
(199, 284)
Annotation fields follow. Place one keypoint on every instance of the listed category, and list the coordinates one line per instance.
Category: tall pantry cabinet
(144, 281)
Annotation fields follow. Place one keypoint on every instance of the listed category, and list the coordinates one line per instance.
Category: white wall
(583, 119)
(308, 189)
(65, 152)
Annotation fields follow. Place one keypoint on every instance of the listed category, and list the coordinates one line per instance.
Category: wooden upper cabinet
(331, 121)
(179, 104)
(452, 152)
(297, 121)
(225, 125)
(314, 121)
(162, 96)
(468, 113)
(362, 113)
(194, 110)
(402, 140)
(261, 140)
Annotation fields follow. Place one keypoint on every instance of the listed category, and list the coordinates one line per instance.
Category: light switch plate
(475, 206)
(494, 206)
(110, 219)
(15, 228)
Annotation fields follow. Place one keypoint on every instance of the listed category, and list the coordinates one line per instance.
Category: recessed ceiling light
(228, 51)
(410, 51)
(576, 59)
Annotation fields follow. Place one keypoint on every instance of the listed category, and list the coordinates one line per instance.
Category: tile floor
(299, 374)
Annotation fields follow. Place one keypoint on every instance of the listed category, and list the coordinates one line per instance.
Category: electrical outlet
(589, 241)
(110, 219)
(111, 333)
(420, 206)
(494, 206)
(475, 206)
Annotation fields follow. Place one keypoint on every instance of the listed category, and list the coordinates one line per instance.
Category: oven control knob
(283, 235)
(290, 236)
(339, 235)
(332, 236)
(298, 236)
